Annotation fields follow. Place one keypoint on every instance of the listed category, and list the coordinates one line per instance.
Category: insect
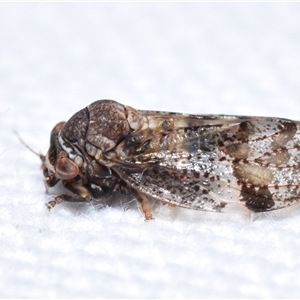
(201, 162)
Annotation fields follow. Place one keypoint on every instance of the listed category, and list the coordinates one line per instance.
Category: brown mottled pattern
(202, 162)
(108, 124)
(75, 129)
(235, 160)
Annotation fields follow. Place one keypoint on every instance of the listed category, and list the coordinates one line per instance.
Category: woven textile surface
(200, 58)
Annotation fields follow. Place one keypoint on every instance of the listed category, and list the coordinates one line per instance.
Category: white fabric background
(225, 58)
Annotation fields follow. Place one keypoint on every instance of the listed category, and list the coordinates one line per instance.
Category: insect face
(58, 164)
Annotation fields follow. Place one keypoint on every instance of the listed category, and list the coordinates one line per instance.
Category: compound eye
(65, 168)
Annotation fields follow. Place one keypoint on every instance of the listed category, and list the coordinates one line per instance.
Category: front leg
(81, 194)
(65, 197)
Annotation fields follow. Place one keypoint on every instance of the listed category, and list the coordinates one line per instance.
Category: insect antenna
(41, 156)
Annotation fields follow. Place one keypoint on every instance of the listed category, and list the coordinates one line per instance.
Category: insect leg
(143, 201)
(81, 194)
(64, 197)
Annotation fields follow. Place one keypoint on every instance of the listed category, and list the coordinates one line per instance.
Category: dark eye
(45, 172)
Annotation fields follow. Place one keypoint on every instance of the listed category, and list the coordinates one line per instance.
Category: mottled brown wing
(206, 162)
